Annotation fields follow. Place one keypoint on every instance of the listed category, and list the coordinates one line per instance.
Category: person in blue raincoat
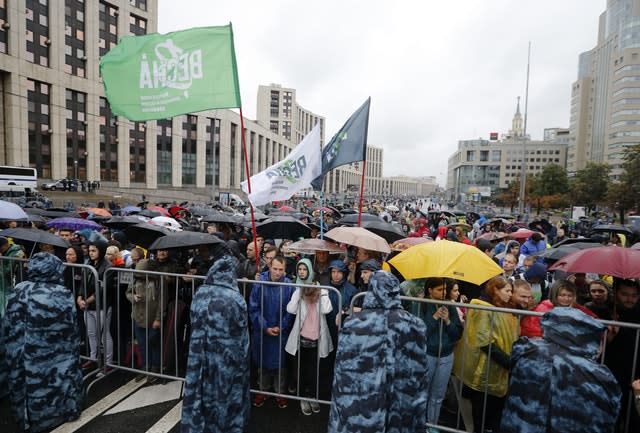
(41, 343)
(216, 394)
(271, 325)
(381, 366)
(556, 383)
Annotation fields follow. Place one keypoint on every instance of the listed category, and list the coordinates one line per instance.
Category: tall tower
(517, 129)
(605, 98)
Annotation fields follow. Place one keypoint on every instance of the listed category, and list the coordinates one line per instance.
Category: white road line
(99, 407)
(148, 396)
(168, 421)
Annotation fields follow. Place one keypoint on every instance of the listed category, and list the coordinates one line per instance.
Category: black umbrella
(185, 240)
(150, 213)
(544, 224)
(352, 219)
(582, 243)
(57, 213)
(122, 222)
(389, 232)
(612, 228)
(202, 211)
(144, 234)
(283, 227)
(219, 217)
(31, 237)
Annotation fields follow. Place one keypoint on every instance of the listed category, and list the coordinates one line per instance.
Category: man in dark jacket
(39, 339)
(216, 396)
(381, 366)
(556, 380)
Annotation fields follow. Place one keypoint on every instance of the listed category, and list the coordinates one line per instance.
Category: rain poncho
(556, 383)
(41, 343)
(216, 396)
(381, 368)
(494, 332)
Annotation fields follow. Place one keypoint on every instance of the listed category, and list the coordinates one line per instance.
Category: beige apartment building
(484, 166)
(605, 98)
(54, 116)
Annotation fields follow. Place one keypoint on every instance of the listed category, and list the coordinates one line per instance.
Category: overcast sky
(437, 71)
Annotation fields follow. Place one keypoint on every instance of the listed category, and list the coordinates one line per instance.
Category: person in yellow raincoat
(481, 359)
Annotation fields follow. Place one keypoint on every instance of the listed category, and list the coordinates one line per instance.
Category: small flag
(348, 145)
(282, 180)
(160, 76)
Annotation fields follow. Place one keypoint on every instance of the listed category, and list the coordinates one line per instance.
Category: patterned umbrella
(73, 224)
(11, 212)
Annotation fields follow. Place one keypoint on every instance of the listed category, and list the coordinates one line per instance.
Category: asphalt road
(118, 404)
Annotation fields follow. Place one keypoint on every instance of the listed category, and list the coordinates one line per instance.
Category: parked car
(61, 185)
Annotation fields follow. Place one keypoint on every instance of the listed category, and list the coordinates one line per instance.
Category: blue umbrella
(73, 224)
(131, 209)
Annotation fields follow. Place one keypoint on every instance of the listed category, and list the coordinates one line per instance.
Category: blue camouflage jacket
(216, 395)
(41, 343)
(556, 384)
(380, 374)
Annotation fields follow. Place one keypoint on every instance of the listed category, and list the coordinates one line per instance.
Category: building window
(76, 133)
(286, 130)
(137, 155)
(108, 143)
(39, 127)
(212, 149)
(4, 33)
(37, 33)
(470, 155)
(164, 128)
(232, 155)
(74, 46)
(137, 25)
(189, 140)
(140, 4)
(273, 126)
(108, 27)
(252, 149)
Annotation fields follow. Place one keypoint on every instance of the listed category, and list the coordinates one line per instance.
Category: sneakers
(306, 407)
(259, 400)
(282, 402)
(315, 407)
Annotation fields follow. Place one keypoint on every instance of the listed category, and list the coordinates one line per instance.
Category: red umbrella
(286, 208)
(523, 234)
(492, 236)
(403, 244)
(160, 209)
(615, 261)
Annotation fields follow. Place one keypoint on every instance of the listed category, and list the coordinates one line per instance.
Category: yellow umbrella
(446, 259)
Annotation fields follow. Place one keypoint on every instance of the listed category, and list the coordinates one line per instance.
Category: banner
(287, 177)
(160, 76)
(348, 145)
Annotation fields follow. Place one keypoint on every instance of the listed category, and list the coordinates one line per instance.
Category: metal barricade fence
(463, 410)
(175, 292)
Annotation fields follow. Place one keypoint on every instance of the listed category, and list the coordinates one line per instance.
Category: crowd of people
(283, 321)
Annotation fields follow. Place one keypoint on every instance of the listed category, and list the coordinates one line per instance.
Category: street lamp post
(75, 169)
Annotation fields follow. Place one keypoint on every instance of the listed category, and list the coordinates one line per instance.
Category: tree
(625, 194)
(551, 182)
(509, 196)
(590, 185)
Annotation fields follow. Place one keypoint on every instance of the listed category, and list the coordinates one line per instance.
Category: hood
(572, 329)
(102, 248)
(384, 291)
(46, 268)
(339, 265)
(223, 273)
(309, 266)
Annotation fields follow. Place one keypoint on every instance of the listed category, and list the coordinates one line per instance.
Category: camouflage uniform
(40, 338)
(216, 396)
(556, 384)
(381, 366)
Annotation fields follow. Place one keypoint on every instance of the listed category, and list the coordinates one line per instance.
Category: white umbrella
(167, 222)
(359, 237)
(11, 212)
(392, 208)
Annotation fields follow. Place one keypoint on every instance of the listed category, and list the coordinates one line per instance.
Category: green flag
(159, 76)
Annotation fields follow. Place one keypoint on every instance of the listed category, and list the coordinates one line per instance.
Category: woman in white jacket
(309, 337)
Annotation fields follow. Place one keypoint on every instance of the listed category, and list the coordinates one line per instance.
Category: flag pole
(322, 211)
(246, 165)
(364, 167)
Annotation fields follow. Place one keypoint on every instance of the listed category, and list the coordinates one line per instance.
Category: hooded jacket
(154, 296)
(108, 296)
(347, 291)
(216, 395)
(381, 369)
(40, 340)
(556, 384)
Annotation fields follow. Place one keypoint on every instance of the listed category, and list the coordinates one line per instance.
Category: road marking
(99, 407)
(168, 421)
(149, 395)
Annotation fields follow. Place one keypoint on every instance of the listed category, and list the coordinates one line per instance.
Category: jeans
(91, 320)
(437, 380)
(152, 343)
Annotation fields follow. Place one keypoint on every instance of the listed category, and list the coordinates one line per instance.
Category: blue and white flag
(285, 178)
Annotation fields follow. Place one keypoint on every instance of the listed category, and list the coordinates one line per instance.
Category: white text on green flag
(285, 178)
(160, 76)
